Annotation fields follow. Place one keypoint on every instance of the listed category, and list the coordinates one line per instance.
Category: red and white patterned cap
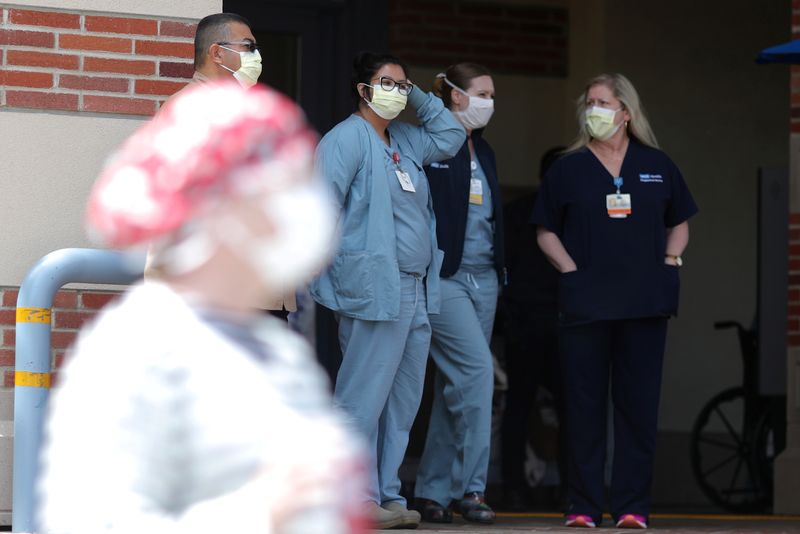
(211, 141)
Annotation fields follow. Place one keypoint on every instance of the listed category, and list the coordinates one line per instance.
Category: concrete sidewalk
(666, 523)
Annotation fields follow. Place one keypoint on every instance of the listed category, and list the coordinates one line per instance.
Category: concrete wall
(49, 165)
(174, 8)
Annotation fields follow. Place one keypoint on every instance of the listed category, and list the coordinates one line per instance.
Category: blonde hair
(638, 126)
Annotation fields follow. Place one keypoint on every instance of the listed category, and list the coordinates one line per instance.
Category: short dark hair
(366, 64)
(213, 29)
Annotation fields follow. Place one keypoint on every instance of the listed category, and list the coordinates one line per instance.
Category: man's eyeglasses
(251, 46)
(404, 88)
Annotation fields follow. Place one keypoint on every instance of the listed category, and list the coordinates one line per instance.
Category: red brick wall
(71, 310)
(91, 62)
(793, 317)
(506, 37)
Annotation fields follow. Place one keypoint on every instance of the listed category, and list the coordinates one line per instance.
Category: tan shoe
(411, 518)
(383, 518)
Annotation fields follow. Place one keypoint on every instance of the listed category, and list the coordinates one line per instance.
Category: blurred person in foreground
(185, 409)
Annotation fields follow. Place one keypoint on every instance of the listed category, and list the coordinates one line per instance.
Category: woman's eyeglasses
(404, 88)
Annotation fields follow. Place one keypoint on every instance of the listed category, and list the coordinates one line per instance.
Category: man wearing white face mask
(466, 200)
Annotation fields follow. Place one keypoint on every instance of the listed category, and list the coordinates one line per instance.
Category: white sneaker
(411, 518)
(383, 518)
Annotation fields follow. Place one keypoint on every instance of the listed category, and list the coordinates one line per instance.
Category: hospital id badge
(618, 205)
(475, 191)
(405, 181)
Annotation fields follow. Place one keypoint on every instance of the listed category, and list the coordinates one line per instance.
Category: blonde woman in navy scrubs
(612, 218)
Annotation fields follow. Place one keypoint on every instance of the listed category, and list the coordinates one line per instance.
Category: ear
(215, 53)
(456, 97)
(364, 91)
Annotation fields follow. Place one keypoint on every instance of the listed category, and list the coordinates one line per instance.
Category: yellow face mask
(386, 104)
(600, 122)
(250, 68)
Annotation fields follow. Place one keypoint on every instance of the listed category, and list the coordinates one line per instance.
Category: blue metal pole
(32, 371)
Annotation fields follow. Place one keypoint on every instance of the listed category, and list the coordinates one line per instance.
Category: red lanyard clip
(396, 158)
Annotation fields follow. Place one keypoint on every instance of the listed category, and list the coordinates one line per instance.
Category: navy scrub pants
(630, 353)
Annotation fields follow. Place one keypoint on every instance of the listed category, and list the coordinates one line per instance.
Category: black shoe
(473, 507)
(432, 511)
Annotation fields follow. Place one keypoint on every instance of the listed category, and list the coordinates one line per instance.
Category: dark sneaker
(432, 511)
(473, 508)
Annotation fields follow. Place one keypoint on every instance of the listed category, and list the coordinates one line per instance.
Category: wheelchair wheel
(730, 455)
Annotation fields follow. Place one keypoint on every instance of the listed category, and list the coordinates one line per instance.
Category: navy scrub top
(621, 271)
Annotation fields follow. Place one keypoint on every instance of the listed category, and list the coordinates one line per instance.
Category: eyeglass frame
(394, 84)
(251, 46)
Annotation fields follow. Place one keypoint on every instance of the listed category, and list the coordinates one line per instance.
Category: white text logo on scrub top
(650, 178)
(436, 165)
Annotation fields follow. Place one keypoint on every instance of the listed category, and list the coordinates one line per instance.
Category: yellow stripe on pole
(33, 380)
(33, 315)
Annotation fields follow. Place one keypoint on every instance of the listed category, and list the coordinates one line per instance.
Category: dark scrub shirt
(621, 271)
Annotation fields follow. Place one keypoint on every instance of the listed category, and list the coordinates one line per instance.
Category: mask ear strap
(364, 96)
(454, 86)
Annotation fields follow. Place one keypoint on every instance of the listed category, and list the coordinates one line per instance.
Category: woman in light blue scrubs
(466, 199)
(384, 278)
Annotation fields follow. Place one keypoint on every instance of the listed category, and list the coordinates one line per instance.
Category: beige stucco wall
(49, 160)
(189, 9)
(49, 164)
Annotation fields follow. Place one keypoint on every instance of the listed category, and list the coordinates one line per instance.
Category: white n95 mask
(478, 112)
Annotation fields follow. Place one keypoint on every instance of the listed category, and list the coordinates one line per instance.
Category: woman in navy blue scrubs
(612, 218)
(469, 229)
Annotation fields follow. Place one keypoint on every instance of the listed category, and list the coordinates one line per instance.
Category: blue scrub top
(363, 278)
(621, 271)
(411, 215)
(478, 252)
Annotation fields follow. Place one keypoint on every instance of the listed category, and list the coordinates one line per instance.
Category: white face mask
(249, 69)
(600, 122)
(478, 112)
(386, 104)
(302, 241)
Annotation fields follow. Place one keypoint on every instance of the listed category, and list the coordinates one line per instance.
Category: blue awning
(782, 53)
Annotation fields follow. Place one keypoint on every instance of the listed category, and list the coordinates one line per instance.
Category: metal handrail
(32, 358)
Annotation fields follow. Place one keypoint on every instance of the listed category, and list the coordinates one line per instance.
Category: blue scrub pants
(379, 384)
(631, 353)
(456, 456)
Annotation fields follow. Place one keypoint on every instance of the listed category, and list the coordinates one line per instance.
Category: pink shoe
(632, 521)
(579, 521)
